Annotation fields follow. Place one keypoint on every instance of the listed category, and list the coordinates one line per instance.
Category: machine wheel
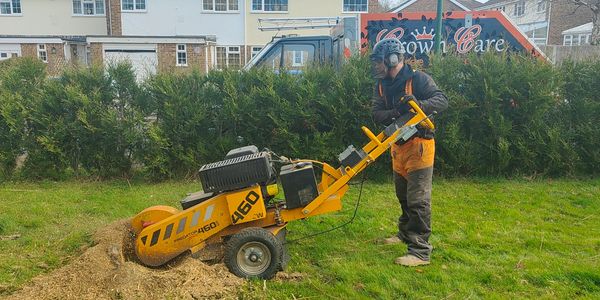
(253, 253)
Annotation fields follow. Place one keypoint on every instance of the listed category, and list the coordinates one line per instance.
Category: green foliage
(509, 115)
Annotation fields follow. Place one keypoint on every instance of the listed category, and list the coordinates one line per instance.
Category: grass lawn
(492, 238)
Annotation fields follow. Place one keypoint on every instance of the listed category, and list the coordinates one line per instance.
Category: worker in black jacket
(412, 161)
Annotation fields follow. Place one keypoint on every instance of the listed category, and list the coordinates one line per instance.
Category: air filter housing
(236, 173)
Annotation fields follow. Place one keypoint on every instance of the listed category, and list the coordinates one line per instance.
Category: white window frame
(228, 51)
(569, 38)
(41, 49)
(254, 51)
(82, 7)
(12, 8)
(583, 38)
(227, 6)
(262, 8)
(135, 9)
(294, 56)
(541, 3)
(354, 11)
(519, 4)
(181, 51)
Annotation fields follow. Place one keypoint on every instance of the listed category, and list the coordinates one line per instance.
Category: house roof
(585, 28)
(466, 5)
(492, 3)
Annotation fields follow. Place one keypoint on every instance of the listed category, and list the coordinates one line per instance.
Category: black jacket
(428, 96)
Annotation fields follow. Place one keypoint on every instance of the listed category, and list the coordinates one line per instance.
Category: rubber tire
(253, 234)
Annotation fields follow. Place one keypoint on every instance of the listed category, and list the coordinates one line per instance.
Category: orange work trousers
(416, 154)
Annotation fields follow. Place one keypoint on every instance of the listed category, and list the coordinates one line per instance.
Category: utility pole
(438, 27)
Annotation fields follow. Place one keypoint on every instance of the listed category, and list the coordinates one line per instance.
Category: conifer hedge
(509, 116)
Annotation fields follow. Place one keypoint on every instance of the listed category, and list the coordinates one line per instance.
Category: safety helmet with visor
(386, 54)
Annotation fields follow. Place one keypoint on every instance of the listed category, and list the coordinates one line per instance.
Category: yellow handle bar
(427, 122)
(370, 135)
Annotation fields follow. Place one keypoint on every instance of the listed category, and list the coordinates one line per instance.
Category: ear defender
(391, 60)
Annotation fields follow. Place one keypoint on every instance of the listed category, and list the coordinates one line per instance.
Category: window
(583, 39)
(269, 5)
(255, 51)
(228, 57)
(233, 57)
(10, 7)
(298, 59)
(541, 6)
(502, 8)
(181, 55)
(42, 54)
(133, 5)
(88, 7)
(273, 60)
(538, 35)
(220, 5)
(519, 9)
(295, 56)
(356, 5)
(568, 40)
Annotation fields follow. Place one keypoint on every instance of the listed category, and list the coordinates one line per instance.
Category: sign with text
(466, 32)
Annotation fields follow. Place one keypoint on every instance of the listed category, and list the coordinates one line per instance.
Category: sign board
(474, 31)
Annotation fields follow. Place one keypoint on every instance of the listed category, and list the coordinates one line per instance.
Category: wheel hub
(254, 258)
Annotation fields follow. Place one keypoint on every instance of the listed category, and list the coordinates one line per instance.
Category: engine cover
(236, 173)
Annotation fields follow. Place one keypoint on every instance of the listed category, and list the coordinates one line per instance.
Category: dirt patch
(105, 271)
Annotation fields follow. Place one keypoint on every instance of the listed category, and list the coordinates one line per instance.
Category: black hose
(364, 177)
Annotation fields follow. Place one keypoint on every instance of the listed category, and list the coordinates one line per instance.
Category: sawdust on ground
(107, 271)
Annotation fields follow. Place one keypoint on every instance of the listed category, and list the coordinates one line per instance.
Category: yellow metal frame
(164, 232)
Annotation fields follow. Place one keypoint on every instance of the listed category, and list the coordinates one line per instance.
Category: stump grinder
(238, 208)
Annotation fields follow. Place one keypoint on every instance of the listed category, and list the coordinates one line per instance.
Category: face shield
(378, 68)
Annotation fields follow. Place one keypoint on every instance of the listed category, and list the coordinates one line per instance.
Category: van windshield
(258, 56)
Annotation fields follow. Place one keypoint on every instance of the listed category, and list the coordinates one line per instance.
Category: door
(143, 58)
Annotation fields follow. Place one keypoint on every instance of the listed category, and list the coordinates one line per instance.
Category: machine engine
(246, 166)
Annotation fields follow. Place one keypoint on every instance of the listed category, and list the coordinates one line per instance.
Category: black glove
(407, 98)
(402, 105)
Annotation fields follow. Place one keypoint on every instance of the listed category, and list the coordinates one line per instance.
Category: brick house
(565, 15)
(544, 21)
(154, 35)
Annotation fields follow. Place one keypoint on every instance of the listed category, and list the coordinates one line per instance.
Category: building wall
(431, 5)
(113, 15)
(56, 60)
(563, 16)
(184, 18)
(296, 9)
(530, 16)
(51, 17)
(96, 55)
(196, 58)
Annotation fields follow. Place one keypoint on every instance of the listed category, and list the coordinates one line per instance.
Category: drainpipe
(109, 31)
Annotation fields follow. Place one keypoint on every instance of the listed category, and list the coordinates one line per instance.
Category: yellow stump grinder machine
(237, 206)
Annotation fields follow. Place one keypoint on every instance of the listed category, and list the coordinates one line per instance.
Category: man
(412, 161)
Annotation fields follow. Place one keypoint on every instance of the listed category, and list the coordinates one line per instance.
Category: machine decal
(168, 231)
(181, 226)
(195, 218)
(155, 236)
(209, 211)
(245, 207)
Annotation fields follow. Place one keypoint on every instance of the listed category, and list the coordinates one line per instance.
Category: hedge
(509, 115)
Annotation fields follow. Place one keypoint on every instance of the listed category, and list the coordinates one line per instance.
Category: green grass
(492, 238)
